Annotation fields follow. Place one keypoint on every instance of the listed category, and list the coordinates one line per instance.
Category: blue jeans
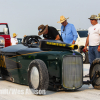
(93, 53)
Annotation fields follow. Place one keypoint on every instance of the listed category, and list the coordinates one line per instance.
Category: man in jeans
(93, 39)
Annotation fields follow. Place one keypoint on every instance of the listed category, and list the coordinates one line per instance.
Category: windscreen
(2, 27)
(83, 34)
(3, 30)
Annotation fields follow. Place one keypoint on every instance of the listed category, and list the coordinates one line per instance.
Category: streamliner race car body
(46, 64)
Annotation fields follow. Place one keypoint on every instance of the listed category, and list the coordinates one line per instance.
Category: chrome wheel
(84, 56)
(34, 77)
(38, 77)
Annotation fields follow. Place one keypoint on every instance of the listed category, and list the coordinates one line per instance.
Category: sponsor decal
(56, 44)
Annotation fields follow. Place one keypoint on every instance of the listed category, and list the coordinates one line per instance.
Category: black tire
(43, 82)
(95, 66)
(85, 57)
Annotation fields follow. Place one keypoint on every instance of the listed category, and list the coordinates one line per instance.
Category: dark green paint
(52, 59)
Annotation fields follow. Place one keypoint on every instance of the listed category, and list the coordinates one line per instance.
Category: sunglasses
(91, 19)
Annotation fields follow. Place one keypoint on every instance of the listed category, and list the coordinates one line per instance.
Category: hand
(73, 42)
(45, 39)
(98, 48)
(57, 37)
(85, 48)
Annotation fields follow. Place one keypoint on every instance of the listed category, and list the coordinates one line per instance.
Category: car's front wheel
(38, 77)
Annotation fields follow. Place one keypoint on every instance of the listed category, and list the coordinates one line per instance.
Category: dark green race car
(46, 64)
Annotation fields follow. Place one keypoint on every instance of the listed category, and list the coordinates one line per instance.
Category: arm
(11, 41)
(74, 34)
(55, 33)
(16, 41)
(57, 37)
(73, 42)
(87, 43)
(99, 42)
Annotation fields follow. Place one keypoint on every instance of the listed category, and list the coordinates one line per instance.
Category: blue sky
(24, 16)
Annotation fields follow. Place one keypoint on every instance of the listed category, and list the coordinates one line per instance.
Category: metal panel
(11, 64)
(72, 72)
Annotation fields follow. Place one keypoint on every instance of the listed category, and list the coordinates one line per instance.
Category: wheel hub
(83, 54)
(34, 77)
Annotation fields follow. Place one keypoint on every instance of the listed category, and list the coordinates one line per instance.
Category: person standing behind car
(49, 32)
(98, 19)
(93, 39)
(68, 31)
(98, 16)
(14, 40)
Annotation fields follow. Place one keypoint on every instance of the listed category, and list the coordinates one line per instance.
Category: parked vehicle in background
(19, 40)
(5, 39)
(81, 40)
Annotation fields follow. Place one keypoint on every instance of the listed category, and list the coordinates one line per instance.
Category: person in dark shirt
(49, 32)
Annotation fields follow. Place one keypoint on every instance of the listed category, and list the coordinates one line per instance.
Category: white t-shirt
(14, 41)
(94, 35)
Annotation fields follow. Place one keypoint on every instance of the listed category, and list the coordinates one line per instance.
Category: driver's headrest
(5, 30)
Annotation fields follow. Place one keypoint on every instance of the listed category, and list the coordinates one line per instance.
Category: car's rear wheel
(38, 77)
(95, 72)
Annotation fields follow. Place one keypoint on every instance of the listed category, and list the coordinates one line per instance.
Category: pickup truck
(81, 40)
(5, 39)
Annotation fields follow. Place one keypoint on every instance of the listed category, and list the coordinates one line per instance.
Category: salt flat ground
(86, 92)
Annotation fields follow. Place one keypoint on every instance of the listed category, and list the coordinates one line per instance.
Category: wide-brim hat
(93, 17)
(14, 34)
(62, 19)
(24, 36)
(42, 29)
(98, 16)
